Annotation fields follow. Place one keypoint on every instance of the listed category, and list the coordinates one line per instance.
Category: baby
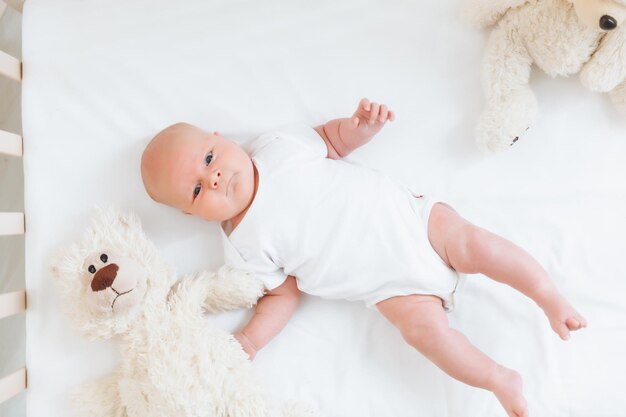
(303, 220)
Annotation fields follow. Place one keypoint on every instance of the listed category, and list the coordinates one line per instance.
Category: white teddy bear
(562, 37)
(174, 362)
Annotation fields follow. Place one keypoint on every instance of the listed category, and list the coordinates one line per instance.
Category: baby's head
(200, 173)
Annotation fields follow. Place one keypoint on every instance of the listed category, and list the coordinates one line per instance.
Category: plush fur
(174, 362)
(562, 37)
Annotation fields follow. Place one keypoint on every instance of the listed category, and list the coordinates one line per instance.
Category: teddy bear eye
(104, 257)
(92, 269)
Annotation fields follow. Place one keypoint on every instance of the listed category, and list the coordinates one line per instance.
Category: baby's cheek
(203, 208)
(221, 208)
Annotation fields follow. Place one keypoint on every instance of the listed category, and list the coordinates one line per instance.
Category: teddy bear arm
(606, 68)
(228, 289)
(99, 398)
(485, 13)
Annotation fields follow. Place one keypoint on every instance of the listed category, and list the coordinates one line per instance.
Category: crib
(100, 78)
(12, 302)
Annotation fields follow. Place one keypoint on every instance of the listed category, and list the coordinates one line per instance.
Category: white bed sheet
(100, 78)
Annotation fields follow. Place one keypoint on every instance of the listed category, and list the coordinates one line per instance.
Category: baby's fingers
(383, 113)
(364, 104)
(372, 112)
(374, 108)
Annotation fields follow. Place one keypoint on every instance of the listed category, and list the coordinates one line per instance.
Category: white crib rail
(16, 4)
(12, 385)
(12, 303)
(10, 143)
(11, 223)
(10, 66)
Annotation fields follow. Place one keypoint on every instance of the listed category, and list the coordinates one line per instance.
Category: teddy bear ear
(108, 216)
(59, 263)
(129, 220)
(54, 271)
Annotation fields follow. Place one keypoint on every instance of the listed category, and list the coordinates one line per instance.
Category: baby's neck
(229, 225)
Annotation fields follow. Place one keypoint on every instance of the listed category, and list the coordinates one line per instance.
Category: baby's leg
(470, 249)
(424, 325)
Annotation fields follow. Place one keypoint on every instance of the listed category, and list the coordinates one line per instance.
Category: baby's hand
(364, 124)
(344, 135)
(371, 115)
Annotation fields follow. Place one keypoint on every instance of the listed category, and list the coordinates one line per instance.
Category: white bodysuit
(342, 230)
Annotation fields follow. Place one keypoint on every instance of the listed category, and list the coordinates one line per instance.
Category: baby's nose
(215, 178)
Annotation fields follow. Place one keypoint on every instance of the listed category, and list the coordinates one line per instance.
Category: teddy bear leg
(245, 396)
(511, 106)
(294, 409)
(98, 398)
(618, 97)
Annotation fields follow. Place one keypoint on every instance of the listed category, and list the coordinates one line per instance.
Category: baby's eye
(196, 191)
(209, 158)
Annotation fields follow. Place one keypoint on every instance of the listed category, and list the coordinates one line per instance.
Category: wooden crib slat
(16, 4)
(12, 385)
(10, 66)
(10, 143)
(11, 224)
(12, 303)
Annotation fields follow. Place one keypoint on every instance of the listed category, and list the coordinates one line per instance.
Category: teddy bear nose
(104, 278)
(607, 22)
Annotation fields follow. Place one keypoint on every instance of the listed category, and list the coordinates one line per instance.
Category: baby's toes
(575, 323)
(562, 329)
(522, 413)
(520, 410)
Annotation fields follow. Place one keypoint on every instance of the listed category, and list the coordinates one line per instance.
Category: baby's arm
(272, 313)
(342, 136)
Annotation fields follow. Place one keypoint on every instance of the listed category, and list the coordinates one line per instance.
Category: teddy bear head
(116, 283)
(111, 276)
(605, 15)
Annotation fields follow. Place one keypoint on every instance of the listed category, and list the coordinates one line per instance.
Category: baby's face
(200, 173)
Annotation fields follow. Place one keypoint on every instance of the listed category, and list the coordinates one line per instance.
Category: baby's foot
(562, 316)
(507, 387)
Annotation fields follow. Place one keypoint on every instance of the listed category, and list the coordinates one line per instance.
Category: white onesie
(343, 230)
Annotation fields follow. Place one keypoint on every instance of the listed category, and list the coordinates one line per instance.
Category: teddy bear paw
(495, 136)
(491, 141)
(502, 124)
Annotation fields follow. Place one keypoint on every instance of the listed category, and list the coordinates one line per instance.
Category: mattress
(101, 78)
